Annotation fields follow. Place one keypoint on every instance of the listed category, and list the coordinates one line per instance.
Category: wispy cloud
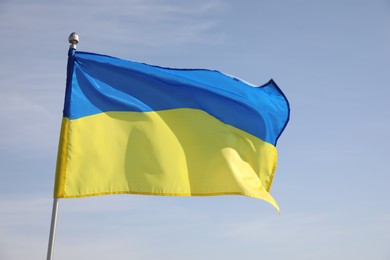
(313, 236)
(134, 22)
(181, 23)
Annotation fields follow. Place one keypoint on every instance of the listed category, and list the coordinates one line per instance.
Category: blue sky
(331, 59)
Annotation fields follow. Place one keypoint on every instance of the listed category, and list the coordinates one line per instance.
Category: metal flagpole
(73, 40)
(52, 229)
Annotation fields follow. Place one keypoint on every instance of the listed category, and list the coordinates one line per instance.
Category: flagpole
(52, 229)
(73, 40)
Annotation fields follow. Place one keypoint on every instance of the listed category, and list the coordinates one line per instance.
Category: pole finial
(73, 40)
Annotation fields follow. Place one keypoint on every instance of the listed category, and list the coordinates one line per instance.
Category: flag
(134, 128)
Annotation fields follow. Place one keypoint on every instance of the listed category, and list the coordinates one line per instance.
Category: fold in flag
(133, 128)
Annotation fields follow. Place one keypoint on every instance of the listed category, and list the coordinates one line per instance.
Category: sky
(331, 59)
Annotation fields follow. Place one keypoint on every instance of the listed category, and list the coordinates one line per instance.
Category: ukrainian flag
(133, 128)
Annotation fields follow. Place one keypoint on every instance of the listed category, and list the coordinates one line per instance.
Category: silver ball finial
(73, 40)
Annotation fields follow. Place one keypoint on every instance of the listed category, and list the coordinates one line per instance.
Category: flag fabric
(134, 128)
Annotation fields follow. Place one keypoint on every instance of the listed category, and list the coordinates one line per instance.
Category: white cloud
(27, 125)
